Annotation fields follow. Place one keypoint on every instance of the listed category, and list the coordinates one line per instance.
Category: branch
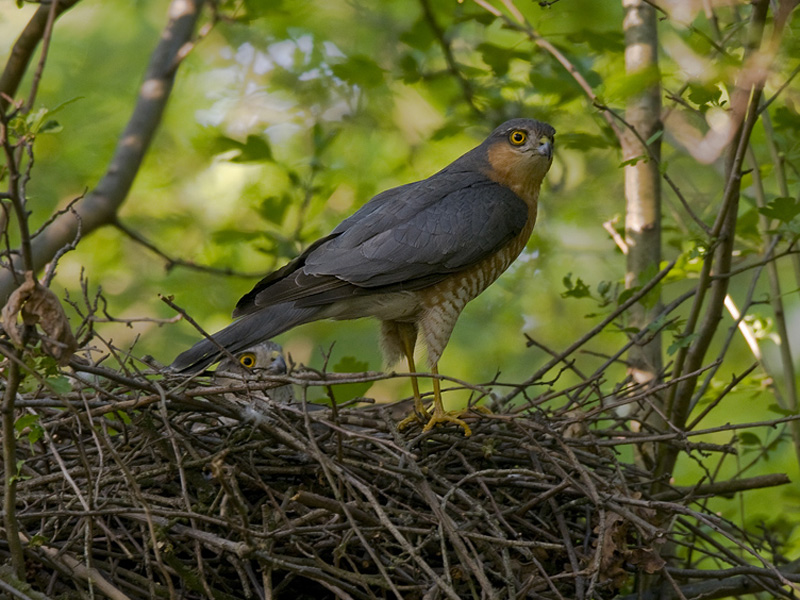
(724, 488)
(101, 205)
(178, 262)
(24, 48)
(739, 581)
(10, 522)
(747, 93)
(452, 65)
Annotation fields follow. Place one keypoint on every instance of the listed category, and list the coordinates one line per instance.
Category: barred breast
(442, 303)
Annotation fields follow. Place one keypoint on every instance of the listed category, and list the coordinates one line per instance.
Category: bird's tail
(243, 333)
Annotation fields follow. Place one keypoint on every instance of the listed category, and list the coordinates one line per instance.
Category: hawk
(412, 257)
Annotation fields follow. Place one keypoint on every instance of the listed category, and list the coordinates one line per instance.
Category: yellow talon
(414, 416)
(447, 417)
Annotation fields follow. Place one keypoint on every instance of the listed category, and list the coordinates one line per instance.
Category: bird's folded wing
(405, 238)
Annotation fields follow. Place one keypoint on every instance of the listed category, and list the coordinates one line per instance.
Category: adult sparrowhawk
(412, 257)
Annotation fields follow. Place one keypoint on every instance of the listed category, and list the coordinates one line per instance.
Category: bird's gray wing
(405, 238)
(422, 235)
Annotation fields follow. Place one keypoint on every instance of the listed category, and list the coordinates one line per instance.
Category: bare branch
(24, 48)
(100, 206)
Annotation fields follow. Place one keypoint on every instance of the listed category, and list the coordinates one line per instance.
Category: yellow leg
(408, 337)
(419, 407)
(439, 415)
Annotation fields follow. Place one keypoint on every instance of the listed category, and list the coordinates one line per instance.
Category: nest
(150, 486)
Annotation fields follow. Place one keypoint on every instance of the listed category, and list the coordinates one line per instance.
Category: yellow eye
(517, 137)
(248, 360)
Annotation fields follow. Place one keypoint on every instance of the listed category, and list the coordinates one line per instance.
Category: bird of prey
(412, 257)
(263, 359)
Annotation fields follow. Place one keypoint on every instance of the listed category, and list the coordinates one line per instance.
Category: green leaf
(59, 384)
(25, 421)
(626, 294)
(359, 70)
(747, 227)
(497, 57)
(654, 137)
(41, 121)
(622, 88)
(747, 438)
(702, 95)
(681, 341)
(273, 208)
(420, 36)
(783, 209)
(601, 42)
(409, 67)
(51, 126)
(784, 412)
(577, 289)
(255, 149)
(233, 236)
(634, 160)
(786, 119)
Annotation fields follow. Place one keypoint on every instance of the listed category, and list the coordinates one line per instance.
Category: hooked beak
(546, 149)
(278, 366)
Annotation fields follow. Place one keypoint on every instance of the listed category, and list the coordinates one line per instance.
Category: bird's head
(519, 154)
(262, 359)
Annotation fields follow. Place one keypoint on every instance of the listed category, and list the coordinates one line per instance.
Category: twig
(100, 206)
(178, 262)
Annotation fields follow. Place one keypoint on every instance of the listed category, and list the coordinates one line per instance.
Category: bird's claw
(447, 417)
(415, 417)
(439, 417)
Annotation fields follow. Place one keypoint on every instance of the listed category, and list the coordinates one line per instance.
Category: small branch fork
(101, 205)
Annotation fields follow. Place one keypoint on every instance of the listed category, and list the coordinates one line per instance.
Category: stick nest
(152, 486)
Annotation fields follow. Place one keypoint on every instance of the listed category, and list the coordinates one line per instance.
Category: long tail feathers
(242, 334)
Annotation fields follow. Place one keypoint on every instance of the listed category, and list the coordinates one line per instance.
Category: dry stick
(787, 361)
(10, 522)
(76, 568)
(37, 76)
(135, 488)
(328, 467)
(736, 380)
(182, 475)
(724, 488)
(13, 358)
(100, 206)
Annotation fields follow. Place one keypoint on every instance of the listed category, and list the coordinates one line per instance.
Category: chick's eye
(247, 360)
(517, 137)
